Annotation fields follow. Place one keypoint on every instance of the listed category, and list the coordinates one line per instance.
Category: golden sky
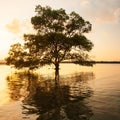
(104, 15)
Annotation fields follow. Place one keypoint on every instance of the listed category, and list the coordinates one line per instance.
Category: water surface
(91, 93)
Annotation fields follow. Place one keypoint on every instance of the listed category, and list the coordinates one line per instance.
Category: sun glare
(6, 39)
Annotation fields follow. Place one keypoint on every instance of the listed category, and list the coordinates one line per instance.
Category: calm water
(83, 93)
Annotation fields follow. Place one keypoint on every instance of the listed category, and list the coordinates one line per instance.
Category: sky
(104, 16)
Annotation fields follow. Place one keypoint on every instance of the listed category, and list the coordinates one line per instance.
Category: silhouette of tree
(59, 36)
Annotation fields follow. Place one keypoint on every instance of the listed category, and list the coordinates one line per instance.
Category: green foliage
(19, 57)
(59, 36)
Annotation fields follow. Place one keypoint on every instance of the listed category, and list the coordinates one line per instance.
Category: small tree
(59, 36)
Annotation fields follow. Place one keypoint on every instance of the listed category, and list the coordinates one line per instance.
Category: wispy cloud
(14, 26)
(19, 27)
(107, 11)
(117, 14)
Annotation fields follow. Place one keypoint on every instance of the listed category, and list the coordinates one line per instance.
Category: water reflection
(41, 97)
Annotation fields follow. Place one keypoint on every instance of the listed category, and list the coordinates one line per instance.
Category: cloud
(85, 2)
(117, 14)
(14, 26)
(107, 11)
(19, 27)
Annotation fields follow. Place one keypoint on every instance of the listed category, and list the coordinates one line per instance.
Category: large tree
(59, 36)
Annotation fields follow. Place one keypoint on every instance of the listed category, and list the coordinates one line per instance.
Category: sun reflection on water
(82, 92)
(40, 95)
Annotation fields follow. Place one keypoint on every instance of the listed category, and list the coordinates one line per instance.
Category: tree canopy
(59, 36)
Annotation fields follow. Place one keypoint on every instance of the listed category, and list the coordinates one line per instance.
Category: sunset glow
(104, 16)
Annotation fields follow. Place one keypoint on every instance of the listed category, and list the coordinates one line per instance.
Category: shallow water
(91, 93)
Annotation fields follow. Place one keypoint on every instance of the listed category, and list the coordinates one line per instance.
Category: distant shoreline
(2, 62)
(107, 62)
(97, 62)
(94, 62)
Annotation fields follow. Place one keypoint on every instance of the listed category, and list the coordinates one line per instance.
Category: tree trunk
(56, 73)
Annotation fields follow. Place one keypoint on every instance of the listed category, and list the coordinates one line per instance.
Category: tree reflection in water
(42, 97)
